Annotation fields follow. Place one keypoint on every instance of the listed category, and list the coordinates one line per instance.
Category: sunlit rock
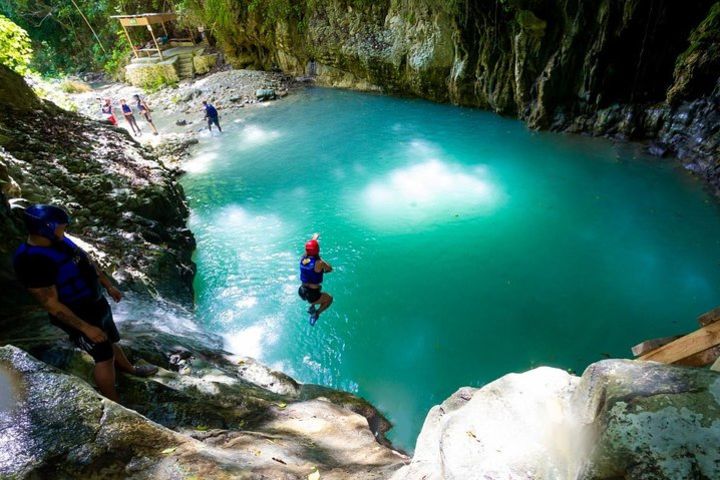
(621, 419)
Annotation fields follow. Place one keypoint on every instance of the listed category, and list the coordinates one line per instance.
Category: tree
(15, 50)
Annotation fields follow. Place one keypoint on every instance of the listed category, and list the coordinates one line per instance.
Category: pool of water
(465, 246)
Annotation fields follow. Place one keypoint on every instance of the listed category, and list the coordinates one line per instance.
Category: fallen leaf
(202, 428)
(168, 451)
(314, 476)
(281, 405)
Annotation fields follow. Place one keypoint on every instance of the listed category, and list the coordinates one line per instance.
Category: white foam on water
(430, 187)
(246, 341)
(315, 366)
(200, 163)
(254, 135)
(247, 302)
(252, 340)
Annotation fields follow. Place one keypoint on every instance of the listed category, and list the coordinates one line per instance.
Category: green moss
(696, 68)
(528, 21)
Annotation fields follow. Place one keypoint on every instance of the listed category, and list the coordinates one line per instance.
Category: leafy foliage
(62, 39)
(15, 50)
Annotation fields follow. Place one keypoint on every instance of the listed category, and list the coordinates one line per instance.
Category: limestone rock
(622, 419)
(53, 425)
(508, 429)
(650, 421)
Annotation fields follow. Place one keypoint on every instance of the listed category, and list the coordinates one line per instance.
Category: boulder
(265, 94)
(622, 419)
(508, 429)
(54, 425)
(650, 421)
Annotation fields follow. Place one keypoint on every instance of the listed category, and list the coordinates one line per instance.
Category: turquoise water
(465, 246)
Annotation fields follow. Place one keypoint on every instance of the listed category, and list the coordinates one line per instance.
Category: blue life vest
(76, 279)
(211, 112)
(307, 271)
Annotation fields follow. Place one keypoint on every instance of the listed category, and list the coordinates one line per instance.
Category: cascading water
(465, 246)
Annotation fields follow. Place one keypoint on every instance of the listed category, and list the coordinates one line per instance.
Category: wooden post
(129, 40)
(155, 42)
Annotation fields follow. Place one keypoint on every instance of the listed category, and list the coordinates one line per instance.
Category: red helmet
(312, 248)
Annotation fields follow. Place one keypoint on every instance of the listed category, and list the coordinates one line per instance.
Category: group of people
(107, 109)
(127, 111)
(68, 285)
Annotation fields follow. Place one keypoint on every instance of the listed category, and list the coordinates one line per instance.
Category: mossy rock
(204, 63)
(152, 76)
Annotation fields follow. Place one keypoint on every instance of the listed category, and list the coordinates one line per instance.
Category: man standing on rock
(312, 269)
(211, 114)
(67, 283)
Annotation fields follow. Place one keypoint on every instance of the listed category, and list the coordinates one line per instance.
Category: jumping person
(211, 114)
(107, 110)
(312, 269)
(144, 112)
(67, 283)
(127, 111)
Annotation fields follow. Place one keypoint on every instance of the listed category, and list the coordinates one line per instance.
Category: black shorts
(311, 295)
(97, 314)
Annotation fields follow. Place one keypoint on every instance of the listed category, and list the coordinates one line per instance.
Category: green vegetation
(15, 50)
(74, 86)
(70, 36)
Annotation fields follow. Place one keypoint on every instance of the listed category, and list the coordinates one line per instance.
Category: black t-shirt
(35, 271)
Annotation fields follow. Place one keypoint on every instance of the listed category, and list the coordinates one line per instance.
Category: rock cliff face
(622, 419)
(634, 69)
(122, 200)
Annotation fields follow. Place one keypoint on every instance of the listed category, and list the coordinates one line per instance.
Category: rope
(90, 26)
(642, 51)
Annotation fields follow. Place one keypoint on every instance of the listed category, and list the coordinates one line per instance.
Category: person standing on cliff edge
(312, 269)
(67, 284)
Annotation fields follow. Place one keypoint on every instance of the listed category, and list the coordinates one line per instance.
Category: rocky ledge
(621, 420)
(54, 425)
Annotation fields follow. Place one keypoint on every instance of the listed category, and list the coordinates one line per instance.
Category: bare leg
(324, 301)
(121, 360)
(134, 123)
(104, 374)
(152, 125)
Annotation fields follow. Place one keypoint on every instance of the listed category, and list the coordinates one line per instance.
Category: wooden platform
(698, 349)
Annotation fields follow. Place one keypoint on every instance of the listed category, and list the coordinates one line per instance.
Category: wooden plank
(650, 345)
(130, 41)
(152, 34)
(686, 346)
(709, 317)
(701, 359)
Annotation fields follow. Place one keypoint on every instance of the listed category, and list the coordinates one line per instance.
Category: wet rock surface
(621, 419)
(58, 427)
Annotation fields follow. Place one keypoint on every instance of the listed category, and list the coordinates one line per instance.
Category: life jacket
(76, 279)
(307, 271)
